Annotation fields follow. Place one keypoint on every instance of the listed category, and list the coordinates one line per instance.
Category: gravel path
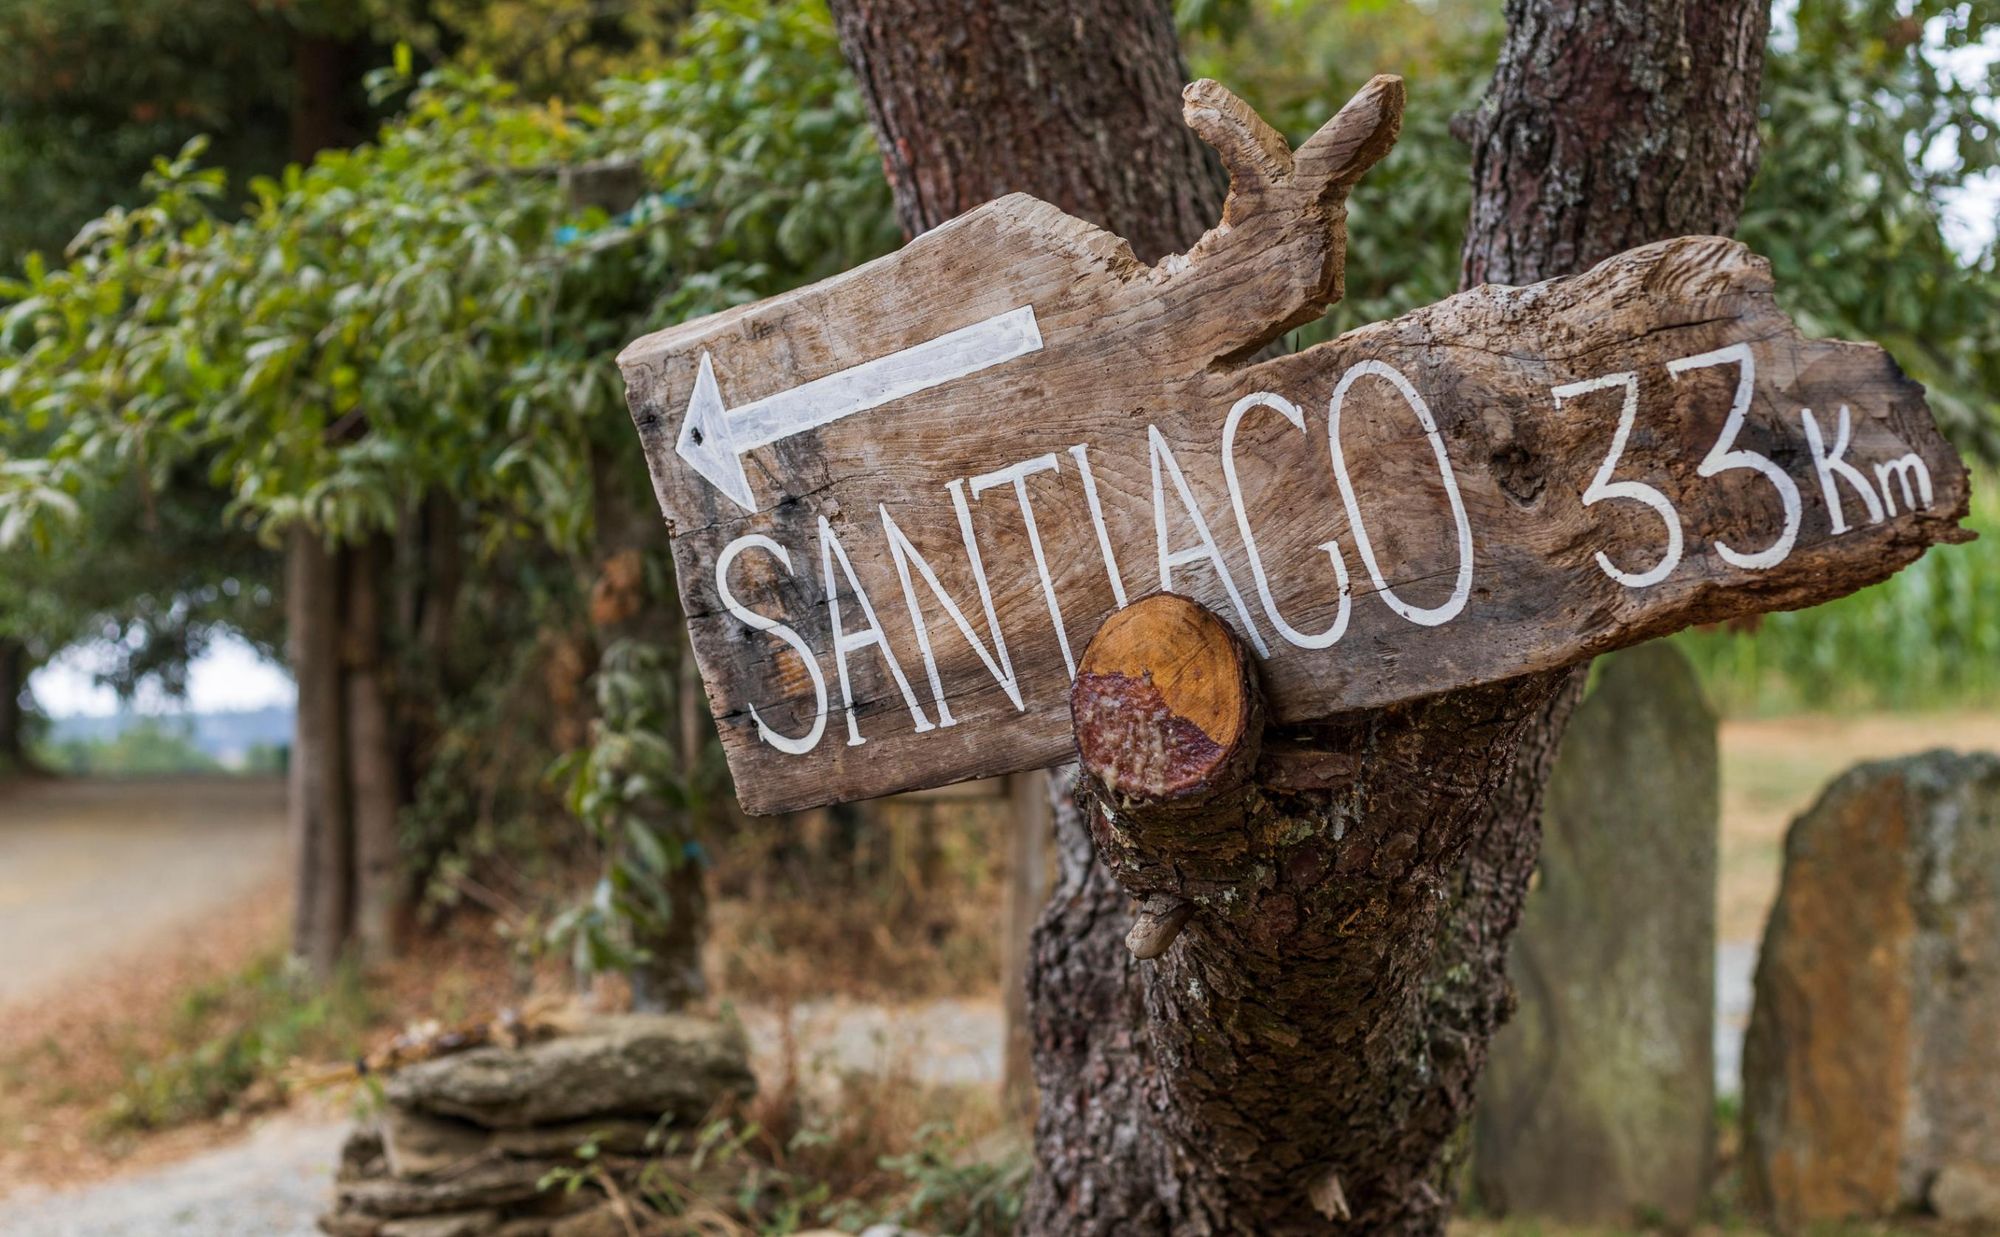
(272, 1184)
(90, 869)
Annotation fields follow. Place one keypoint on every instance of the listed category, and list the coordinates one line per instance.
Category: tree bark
(1077, 103)
(1348, 995)
(375, 795)
(320, 826)
(322, 75)
(1607, 126)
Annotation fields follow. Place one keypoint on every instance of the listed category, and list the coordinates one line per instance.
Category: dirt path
(94, 869)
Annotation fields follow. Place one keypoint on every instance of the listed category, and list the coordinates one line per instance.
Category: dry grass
(898, 900)
(65, 1054)
(71, 1059)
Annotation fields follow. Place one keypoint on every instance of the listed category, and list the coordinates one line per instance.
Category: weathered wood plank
(1014, 407)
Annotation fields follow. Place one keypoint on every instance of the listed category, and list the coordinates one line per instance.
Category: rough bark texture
(1077, 103)
(1609, 125)
(958, 106)
(1434, 806)
(1605, 126)
(320, 824)
(1291, 1018)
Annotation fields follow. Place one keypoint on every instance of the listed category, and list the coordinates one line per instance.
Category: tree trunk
(1346, 1003)
(375, 796)
(1608, 126)
(13, 722)
(322, 75)
(1077, 103)
(320, 826)
(1290, 890)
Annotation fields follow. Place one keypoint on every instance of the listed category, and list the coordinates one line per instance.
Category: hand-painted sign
(902, 499)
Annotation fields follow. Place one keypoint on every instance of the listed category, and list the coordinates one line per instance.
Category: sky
(230, 676)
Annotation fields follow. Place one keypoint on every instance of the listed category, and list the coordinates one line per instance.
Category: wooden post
(320, 827)
(1027, 892)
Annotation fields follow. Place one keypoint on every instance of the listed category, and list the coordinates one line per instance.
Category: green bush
(237, 1035)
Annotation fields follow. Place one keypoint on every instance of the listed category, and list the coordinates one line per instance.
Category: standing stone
(1598, 1103)
(1871, 1071)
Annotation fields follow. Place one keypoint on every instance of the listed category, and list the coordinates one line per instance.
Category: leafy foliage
(622, 786)
(1868, 132)
(430, 319)
(431, 312)
(546, 47)
(92, 90)
(151, 746)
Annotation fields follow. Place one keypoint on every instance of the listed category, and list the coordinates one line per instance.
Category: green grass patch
(230, 1041)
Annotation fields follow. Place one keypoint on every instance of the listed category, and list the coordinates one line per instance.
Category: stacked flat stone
(465, 1144)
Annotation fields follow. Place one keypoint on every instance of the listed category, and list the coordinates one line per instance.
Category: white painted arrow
(713, 438)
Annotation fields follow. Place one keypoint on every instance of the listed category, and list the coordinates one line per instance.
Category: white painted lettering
(1726, 456)
(1018, 474)
(1207, 550)
(997, 662)
(760, 622)
(1602, 486)
(1903, 468)
(1097, 522)
(1317, 640)
(1831, 464)
(1462, 587)
(845, 642)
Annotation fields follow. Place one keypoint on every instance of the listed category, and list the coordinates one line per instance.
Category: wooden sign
(901, 500)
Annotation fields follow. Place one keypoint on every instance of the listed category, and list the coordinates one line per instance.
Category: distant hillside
(226, 738)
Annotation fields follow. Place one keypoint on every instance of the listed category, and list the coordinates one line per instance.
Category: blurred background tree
(396, 361)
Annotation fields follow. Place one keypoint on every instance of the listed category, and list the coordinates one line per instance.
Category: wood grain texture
(1139, 370)
(1165, 702)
